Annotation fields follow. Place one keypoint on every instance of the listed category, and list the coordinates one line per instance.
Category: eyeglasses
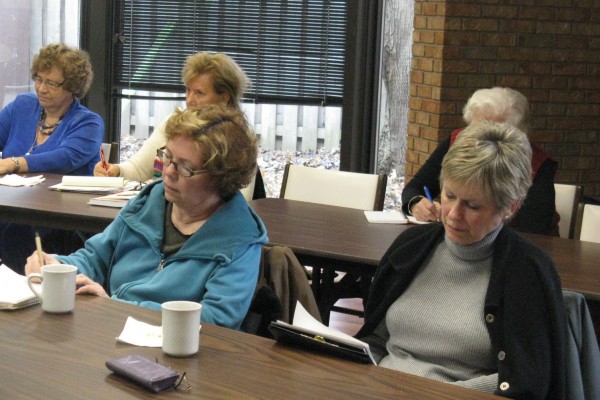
(49, 84)
(181, 169)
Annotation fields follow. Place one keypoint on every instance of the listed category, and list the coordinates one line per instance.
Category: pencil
(38, 246)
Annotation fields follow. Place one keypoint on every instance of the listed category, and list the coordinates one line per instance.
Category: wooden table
(62, 357)
(336, 238)
(37, 205)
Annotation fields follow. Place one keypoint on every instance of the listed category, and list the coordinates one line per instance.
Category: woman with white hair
(498, 104)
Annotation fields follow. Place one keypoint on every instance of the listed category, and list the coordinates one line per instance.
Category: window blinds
(293, 51)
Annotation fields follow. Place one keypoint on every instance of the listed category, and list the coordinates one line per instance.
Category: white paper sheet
(140, 334)
(17, 180)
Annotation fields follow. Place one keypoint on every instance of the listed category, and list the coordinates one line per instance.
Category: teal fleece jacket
(217, 266)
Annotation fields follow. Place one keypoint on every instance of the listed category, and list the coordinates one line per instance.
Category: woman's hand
(425, 210)
(87, 286)
(33, 262)
(113, 169)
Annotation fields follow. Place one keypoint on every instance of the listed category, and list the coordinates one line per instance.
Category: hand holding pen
(36, 260)
(103, 168)
(426, 209)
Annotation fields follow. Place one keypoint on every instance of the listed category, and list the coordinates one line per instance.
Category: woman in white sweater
(209, 78)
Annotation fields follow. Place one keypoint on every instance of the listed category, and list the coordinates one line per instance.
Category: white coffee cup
(181, 328)
(58, 287)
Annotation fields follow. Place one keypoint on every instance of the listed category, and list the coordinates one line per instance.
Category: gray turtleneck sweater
(436, 328)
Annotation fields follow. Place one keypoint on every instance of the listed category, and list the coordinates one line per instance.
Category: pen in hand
(427, 193)
(38, 246)
(103, 158)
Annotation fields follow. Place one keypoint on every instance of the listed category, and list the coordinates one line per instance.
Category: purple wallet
(149, 374)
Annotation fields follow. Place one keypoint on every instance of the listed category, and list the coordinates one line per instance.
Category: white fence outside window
(279, 127)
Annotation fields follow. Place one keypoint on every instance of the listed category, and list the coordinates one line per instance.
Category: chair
(566, 198)
(111, 152)
(281, 283)
(583, 355)
(588, 223)
(248, 191)
(343, 189)
(334, 188)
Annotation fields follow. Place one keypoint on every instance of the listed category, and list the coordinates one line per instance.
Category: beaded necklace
(48, 129)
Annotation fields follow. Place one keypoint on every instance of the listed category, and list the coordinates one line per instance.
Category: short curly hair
(498, 104)
(74, 63)
(225, 140)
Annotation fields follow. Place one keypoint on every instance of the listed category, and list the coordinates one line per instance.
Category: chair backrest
(106, 148)
(111, 152)
(582, 352)
(335, 188)
(588, 223)
(248, 191)
(566, 199)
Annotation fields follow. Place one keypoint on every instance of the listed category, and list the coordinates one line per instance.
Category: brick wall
(547, 49)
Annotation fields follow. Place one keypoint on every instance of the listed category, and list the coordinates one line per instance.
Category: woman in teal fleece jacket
(190, 236)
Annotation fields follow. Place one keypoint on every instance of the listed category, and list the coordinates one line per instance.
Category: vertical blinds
(293, 51)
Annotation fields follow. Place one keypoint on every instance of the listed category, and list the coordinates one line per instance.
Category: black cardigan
(536, 215)
(523, 308)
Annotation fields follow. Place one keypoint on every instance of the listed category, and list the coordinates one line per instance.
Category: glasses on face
(50, 84)
(167, 159)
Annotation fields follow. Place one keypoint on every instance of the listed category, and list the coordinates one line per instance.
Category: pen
(38, 246)
(104, 165)
(427, 193)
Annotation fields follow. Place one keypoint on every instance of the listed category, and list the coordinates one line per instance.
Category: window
(293, 51)
(25, 27)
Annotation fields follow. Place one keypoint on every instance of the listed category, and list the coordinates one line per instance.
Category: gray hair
(491, 156)
(498, 104)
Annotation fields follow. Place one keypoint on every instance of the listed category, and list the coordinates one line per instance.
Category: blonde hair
(227, 76)
(225, 141)
(491, 156)
(74, 63)
(498, 104)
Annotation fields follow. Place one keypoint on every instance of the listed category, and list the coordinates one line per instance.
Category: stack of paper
(386, 217)
(16, 180)
(89, 184)
(391, 217)
(14, 291)
(117, 200)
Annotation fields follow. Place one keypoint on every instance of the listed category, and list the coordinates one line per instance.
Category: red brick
(499, 39)
(480, 24)
(500, 12)
(569, 69)
(534, 68)
(479, 53)
(583, 109)
(514, 81)
(537, 13)
(554, 27)
(431, 106)
(463, 10)
(551, 82)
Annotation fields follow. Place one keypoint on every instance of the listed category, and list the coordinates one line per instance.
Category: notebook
(14, 291)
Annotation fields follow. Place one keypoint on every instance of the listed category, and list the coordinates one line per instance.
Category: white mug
(181, 328)
(58, 287)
